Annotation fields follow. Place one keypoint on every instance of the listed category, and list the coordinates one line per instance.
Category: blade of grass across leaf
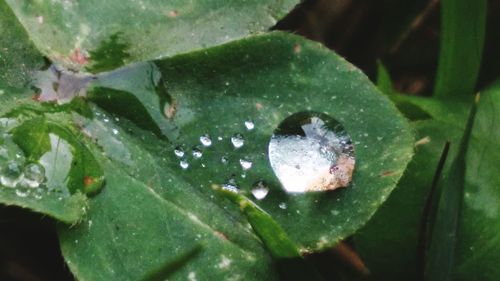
(478, 244)
(462, 36)
(440, 257)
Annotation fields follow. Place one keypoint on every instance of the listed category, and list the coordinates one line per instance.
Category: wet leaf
(215, 98)
(147, 211)
(103, 37)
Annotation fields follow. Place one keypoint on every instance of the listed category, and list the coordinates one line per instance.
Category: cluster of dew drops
(26, 178)
(259, 191)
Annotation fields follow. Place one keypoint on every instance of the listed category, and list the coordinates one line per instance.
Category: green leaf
(440, 256)
(215, 91)
(110, 35)
(147, 211)
(463, 25)
(18, 56)
(392, 233)
(479, 224)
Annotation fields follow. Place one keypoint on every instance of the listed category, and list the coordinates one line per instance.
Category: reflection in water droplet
(231, 185)
(205, 140)
(10, 174)
(224, 159)
(245, 164)
(237, 140)
(260, 190)
(249, 125)
(22, 193)
(178, 151)
(311, 152)
(34, 175)
(283, 205)
(197, 153)
(184, 164)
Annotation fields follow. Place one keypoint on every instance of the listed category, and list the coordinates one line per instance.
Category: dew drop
(231, 185)
(205, 140)
(237, 140)
(115, 131)
(224, 160)
(197, 153)
(34, 175)
(184, 164)
(311, 152)
(179, 152)
(283, 205)
(249, 125)
(10, 174)
(260, 190)
(246, 164)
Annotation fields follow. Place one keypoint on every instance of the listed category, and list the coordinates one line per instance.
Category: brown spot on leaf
(170, 110)
(424, 140)
(87, 181)
(297, 48)
(173, 14)
(220, 235)
(388, 173)
(78, 57)
(259, 106)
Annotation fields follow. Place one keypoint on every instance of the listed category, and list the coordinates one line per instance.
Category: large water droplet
(311, 152)
(205, 140)
(10, 174)
(34, 175)
(260, 190)
(237, 140)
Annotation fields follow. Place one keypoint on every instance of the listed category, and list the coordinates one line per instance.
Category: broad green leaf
(147, 212)
(392, 233)
(477, 241)
(105, 36)
(266, 79)
(18, 56)
(463, 25)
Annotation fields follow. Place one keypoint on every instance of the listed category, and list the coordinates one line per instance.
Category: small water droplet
(311, 152)
(205, 140)
(115, 131)
(105, 119)
(245, 164)
(34, 175)
(237, 140)
(231, 185)
(224, 160)
(184, 164)
(283, 205)
(249, 125)
(10, 174)
(179, 152)
(260, 190)
(197, 153)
